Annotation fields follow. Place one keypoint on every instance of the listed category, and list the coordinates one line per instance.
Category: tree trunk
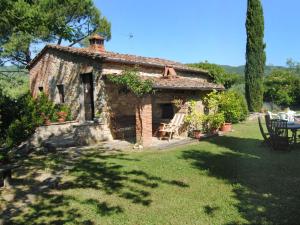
(28, 56)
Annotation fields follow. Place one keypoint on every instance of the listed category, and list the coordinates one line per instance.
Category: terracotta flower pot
(197, 134)
(47, 122)
(214, 131)
(62, 116)
(61, 120)
(227, 127)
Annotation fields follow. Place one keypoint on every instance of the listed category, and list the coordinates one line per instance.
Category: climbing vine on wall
(133, 82)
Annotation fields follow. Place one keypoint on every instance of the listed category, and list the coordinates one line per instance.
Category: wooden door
(87, 81)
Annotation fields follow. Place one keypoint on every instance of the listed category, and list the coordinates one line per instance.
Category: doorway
(88, 96)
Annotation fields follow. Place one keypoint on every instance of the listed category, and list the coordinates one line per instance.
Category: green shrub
(63, 108)
(282, 88)
(24, 124)
(213, 121)
(18, 131)
(233, 105)
(133, 82)
(31, 114)
(194, 118)
(45, 108)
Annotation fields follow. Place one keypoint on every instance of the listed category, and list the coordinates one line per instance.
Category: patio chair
(273, 115)
(291, 115)
(174, 125)
(279, 137)
(268, 123)
(266, 136)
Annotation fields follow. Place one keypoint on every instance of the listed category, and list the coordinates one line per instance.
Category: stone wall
(55, 68)
(43, 133)
(90, 134)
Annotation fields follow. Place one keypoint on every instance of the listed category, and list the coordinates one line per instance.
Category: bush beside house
(228, 106)
(19, 117)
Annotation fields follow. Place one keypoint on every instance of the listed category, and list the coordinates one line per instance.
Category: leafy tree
(24, 24)
(293, 66)
(255, 55)
(219, 74)
(282, 88)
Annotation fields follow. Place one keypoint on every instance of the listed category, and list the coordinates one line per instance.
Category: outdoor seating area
(282, 130)
(172, 127)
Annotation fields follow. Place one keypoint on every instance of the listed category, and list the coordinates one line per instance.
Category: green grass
(224, 180)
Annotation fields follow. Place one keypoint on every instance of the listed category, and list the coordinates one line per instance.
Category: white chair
(287, 116)
(283, 116)
(273, 115)
(291, 115)
(174, 125)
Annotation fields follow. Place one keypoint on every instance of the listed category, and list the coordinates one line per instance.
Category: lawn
(223, 180)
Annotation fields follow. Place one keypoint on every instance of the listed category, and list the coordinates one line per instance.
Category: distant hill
(240, 69)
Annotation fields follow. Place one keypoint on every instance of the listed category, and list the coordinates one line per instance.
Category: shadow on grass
(47, 201)
(264, 182)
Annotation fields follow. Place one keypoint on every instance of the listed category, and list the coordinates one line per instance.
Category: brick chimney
(97, 43)
(169, 73)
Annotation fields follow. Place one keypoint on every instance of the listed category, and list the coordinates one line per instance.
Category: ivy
(133, 82)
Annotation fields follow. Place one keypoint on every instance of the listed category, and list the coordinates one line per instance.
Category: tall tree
(26, 23)
(255, 55)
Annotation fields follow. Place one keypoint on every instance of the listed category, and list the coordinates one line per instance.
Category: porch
(138, 120)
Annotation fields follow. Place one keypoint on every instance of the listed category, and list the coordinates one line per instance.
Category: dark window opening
(123, 90)
(41, 89)
(167, 111)
(61, 93)
(179, 91)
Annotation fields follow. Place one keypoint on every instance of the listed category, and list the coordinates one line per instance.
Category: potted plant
(213, 122)
(62, 116)
(194, 119)
(226, 127)
(46, 119)
(234, 108)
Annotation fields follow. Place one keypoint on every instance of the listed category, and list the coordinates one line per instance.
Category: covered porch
(138, 119)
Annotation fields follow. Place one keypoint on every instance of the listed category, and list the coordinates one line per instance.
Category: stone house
(77, 77)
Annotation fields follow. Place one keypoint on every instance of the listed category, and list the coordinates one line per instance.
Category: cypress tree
(255, 55)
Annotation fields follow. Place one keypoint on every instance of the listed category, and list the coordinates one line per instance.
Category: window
(41, 89)
(167, 111)
(61, 93)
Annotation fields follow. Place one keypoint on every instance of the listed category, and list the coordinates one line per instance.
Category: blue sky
(198, 30)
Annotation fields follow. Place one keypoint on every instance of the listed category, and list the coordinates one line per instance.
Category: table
(294, 127)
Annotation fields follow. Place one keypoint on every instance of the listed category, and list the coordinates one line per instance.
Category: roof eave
(188, 88)
(108, 59)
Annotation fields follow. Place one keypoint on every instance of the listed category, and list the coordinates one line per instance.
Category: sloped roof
(184, 83)
(181, 83)
(117, 57)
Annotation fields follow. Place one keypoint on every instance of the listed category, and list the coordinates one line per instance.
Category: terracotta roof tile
(117, 57)
(183, 83)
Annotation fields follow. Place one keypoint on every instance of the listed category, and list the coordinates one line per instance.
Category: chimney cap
(96, 37)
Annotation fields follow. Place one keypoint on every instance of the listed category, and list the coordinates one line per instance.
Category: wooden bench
(5, 171)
